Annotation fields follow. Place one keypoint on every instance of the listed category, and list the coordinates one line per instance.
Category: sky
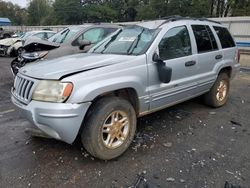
(22, 3)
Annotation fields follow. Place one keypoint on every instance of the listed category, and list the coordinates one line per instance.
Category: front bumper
(61, 121)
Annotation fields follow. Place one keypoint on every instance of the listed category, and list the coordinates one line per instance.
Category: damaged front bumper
(61, 121)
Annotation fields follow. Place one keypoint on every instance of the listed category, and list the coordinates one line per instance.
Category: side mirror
(164, 72)
(83, 44)
(156, 58)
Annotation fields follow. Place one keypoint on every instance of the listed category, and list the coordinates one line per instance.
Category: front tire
(218, 94)
(14, 66)
(19, 51)
(109, 128)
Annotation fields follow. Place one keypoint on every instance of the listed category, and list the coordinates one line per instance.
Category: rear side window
(204, 38)
(175, 43)
(225, 37)
(212, 38)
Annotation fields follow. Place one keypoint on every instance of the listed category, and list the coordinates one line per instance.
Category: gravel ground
(245, 60)
(188, 145)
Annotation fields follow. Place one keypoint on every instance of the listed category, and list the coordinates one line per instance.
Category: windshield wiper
(111, 40)
(136, 44)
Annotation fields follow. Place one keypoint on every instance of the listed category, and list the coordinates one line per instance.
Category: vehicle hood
(8, 41)
(57, 68)
(33, 44)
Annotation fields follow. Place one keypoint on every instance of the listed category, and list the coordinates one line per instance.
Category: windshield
(132, 40)
(64, 35)
(26, 35)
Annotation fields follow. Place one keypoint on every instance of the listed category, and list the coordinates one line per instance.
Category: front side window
(175, 43)
(225, 37)
(131, 40)
(93, 35)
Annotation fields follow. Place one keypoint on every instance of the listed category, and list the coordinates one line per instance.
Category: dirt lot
(188, 145)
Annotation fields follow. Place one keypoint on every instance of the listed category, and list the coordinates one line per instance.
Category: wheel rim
(115, 129)
(221, 91)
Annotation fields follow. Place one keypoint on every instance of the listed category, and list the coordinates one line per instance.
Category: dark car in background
(72, 40)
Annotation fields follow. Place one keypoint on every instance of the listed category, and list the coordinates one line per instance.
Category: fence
(239, 27)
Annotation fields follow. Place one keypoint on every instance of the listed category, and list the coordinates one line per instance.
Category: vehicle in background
(138, 70)
(17, 46)
(72, 40)
(13, 46)
(5, 33)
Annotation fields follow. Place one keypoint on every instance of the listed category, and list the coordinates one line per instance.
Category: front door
(175, 50)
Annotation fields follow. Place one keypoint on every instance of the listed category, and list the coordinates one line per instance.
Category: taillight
(238, 56)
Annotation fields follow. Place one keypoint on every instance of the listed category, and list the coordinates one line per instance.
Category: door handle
(219, 57)
(190, 63)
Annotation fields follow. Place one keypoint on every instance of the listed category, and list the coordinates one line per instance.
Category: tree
(99, 13)
(15, 13)
(68, 11)
(39, 11)
(241, 8)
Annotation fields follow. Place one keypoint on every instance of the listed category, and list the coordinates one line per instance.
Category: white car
(13, 46)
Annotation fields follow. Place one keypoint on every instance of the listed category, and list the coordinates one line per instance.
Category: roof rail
(177, 18)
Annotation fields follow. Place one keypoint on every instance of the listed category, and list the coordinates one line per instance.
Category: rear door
(228, 45)
(208, 55)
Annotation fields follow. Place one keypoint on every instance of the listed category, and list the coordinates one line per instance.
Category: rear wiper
(136, 44)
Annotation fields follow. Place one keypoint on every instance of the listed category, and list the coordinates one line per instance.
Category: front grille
(22, 89)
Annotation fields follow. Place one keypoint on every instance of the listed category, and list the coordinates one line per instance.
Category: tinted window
(212, 38)
(175, 43)
(225, 37)
(202, 37)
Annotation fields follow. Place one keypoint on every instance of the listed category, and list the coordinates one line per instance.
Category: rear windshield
(225, 37)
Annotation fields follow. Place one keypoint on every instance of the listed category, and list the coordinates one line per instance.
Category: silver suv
(138, 70)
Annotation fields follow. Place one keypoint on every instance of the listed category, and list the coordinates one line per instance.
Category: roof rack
(177, 18)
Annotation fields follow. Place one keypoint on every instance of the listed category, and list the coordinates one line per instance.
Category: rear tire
(218, 94)
(109, 128)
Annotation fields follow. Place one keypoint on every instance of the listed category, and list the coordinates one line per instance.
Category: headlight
(52, 91)
(35, 55)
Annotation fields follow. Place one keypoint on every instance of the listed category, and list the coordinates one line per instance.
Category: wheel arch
(228, 70)
(130, 94)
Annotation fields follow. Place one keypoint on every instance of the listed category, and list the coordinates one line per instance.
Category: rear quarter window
(225, 37)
